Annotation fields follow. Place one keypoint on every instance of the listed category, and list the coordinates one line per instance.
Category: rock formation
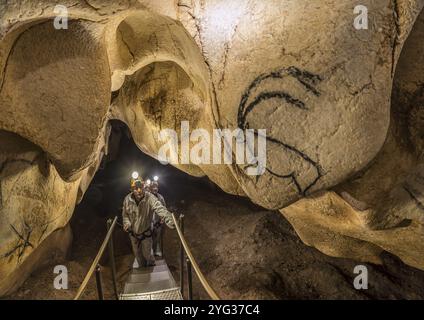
(343, 110)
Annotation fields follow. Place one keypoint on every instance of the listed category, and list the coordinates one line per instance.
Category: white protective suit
(138, 218)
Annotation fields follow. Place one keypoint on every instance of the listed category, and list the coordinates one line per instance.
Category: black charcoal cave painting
(22, 242)
(252, 99)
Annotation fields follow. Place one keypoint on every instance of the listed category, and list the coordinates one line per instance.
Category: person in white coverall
(157, 232)
(137, 214)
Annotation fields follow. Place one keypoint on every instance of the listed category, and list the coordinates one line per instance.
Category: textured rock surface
(325, 102)
(53, 249)
(382, 207)
(34, 203)
(257, 255)
(49, 93)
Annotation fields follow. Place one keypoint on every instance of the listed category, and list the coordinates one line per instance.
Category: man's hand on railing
(171, 224)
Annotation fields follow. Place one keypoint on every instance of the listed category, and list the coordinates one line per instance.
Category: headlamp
(134, 175)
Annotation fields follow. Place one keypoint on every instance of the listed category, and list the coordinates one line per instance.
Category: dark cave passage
(112, 181)
(334, 90)
(246, 252)
(104, 197)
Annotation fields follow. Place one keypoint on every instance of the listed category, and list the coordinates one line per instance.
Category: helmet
(154, 187)
(137, 183)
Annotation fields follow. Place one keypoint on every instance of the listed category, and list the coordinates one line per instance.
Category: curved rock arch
(218, 56)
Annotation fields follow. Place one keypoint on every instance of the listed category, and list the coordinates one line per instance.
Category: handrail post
(112, 260)
(189, 279)
(96, 260)
(162, 230)
(211, 292)
(181, 221)
(99, 283)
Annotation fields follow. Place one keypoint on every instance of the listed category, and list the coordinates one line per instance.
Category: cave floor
(246, 252)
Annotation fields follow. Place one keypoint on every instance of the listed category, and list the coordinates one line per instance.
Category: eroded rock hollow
(343, 109)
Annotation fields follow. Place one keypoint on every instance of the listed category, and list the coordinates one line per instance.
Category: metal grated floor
(170, 294)
(152, 283)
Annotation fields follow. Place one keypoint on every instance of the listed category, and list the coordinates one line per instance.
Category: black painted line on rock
(292, 175)
(20, 247)
(271, 95)
(304, 76)
(288, 176)
(306, 158)
(308, 80)
(26, 243)
(10, 252)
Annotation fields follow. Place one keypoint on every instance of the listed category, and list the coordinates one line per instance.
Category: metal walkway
(152, 283)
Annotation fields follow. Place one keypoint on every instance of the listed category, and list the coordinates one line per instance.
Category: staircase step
(170, 294)
(160, 262)
(152, 283)
(149, 287)
(148, 277)
(150, 269)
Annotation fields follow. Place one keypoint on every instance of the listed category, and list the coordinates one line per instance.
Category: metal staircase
(151, 283)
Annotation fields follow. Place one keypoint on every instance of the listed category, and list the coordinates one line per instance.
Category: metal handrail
(211, 292)
(191, 262)
(96, 260)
